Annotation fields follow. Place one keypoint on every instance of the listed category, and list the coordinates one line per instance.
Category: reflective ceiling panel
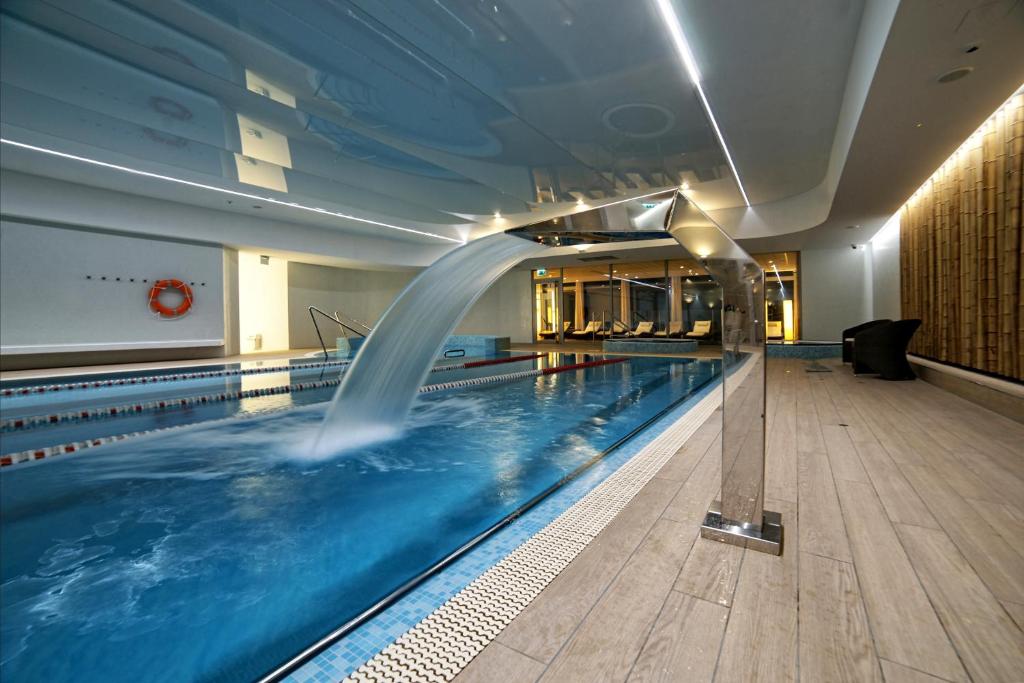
(434, 115)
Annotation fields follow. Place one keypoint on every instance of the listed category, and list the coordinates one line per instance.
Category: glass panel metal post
(739, 517)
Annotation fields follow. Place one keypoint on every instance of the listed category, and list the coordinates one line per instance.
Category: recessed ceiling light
(919, 124)
(955, 74)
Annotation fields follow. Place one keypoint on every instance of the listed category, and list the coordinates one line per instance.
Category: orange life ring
(165, 311)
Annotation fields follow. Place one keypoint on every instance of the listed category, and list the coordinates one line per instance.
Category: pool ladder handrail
(313, 310)
(354, 320)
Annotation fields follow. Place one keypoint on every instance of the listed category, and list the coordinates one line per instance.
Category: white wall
(360, 294)
(262, 303)
(885, 271)
(504, 310)
(835, 291)
(67, 203)
(49, 304)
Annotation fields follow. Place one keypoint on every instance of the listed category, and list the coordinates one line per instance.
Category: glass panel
(740, 315)
(643, 295)
(782, 310)
(546, 309)
(695, 298)
(595, 307)
(731, 287)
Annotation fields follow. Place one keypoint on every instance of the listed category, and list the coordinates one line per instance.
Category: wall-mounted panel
(65, 290)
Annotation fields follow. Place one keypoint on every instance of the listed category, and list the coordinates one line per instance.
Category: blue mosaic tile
(476, 344)
(366, 641)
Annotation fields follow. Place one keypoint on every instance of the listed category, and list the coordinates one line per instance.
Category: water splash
(379, 388)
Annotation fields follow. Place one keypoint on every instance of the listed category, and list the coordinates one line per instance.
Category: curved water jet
(380, 386)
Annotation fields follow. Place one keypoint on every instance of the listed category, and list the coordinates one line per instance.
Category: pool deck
(903, 558)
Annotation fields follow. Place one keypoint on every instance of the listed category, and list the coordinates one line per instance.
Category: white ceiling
(775, 73)
(433, 116)
(889, 155)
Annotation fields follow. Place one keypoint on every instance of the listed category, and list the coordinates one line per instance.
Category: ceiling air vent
(598, 258)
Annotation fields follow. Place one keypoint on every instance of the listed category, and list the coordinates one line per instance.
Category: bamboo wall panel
(962, 254)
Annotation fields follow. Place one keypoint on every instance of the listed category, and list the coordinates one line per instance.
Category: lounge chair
(773, 329)
(883, 349)
(591, 330)
(617, 329)
(701, 330)
(552, 334)
(643, 330)
(851, 333)
(674, 329)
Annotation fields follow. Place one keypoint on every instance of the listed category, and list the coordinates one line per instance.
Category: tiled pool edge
(415, 639)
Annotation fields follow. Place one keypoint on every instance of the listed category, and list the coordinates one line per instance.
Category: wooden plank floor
(903, 508)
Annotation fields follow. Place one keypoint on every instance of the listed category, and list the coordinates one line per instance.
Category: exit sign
(648, 205)
(541, 272)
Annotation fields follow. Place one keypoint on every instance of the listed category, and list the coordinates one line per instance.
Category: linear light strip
(721, 141)
(891, 228)
(675, 30)
(234, 193)
(776, 269)
(637, 282)
(970, 141)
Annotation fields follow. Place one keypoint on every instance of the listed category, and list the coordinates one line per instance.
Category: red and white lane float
(182, 376)
(157, 405)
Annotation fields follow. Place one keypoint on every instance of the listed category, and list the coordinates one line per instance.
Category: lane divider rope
(156, 379)
(50, 451)
(156, 405)
(182, 376)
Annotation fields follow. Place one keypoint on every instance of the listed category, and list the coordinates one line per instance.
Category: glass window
(642, 294)
(695, 298)
(600, 300)
(782, 302)
(593, 310)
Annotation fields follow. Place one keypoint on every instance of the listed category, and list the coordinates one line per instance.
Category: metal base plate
(767, 539)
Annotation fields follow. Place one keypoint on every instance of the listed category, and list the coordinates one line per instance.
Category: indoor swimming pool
(47, 413)
(217, 551)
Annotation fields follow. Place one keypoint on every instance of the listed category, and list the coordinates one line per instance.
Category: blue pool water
(213, 553)
(42, 404)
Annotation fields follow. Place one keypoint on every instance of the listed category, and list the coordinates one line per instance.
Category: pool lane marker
(157, 405)
(74, 447)
(156, 379)
(182, 376)
(440, 646)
